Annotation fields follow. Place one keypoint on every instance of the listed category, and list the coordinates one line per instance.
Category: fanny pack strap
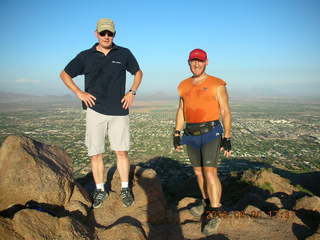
(201, 128)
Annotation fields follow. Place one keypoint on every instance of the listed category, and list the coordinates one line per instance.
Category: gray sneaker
(211, 227)
(98, 197)
(212, 220)
(126, 197)
(198, 209)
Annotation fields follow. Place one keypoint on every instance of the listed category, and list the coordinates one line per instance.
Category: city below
(270, 132)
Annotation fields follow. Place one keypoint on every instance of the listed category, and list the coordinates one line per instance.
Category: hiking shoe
(212, 220)
(98, 197)
(198, 209)
(126, 197)
(211, 226)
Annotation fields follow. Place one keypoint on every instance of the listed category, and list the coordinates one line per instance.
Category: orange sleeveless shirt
(200, 103)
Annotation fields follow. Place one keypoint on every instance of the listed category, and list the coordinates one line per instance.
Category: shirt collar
(94, 49)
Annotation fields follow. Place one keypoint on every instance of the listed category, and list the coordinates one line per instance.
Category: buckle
(196, 133)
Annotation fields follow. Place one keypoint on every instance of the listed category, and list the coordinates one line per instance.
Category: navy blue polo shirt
(105, 76)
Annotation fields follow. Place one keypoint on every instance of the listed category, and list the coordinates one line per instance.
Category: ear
(96, 33)
(207, 62)
(114, 35)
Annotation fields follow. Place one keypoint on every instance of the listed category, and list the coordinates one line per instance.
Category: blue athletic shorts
(199, 141)
(203, 150)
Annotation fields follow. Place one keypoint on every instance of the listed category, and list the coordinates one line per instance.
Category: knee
(121, 154)
(96, 158)
(211, 173)
(198, 172)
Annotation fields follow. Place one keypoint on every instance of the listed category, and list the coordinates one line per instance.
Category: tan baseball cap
(105, 24)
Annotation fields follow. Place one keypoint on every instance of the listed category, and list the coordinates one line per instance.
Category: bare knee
(96, 158)
(210, 173)
(198, 172)
(121, 154)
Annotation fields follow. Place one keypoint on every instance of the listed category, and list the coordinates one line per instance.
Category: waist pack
(197, 129)
(197, 141)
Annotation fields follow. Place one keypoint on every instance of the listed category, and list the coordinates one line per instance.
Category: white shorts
(99, 125)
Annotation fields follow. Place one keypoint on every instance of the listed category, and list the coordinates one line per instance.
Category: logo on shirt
(116, 62)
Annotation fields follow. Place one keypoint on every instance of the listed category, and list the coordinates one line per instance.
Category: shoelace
(100, 195)
(124, 193)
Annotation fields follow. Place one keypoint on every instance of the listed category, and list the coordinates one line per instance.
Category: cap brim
(197, 59)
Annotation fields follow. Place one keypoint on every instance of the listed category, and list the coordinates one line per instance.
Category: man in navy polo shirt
(104, 67)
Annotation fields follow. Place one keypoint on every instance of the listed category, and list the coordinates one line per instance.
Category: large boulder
(33, 171)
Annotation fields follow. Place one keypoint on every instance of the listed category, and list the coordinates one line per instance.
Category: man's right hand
(87, 98)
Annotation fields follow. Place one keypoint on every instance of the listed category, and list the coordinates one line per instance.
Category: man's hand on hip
(226, 146)
(127, 100)
(87, 98)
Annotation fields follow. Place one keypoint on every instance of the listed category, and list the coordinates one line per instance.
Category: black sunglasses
(106, 32)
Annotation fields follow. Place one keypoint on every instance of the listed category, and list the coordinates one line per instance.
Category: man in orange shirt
(203, 98)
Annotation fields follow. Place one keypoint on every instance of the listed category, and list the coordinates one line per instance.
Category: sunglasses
(106, 32)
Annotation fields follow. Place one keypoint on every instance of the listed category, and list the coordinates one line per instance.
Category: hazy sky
(256, 46)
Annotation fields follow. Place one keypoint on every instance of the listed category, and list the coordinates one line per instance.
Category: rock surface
(32, 224)
(7, 231)
(308, 203)
(59, 207)
(268, 180)
(149, 207)
(122, 231)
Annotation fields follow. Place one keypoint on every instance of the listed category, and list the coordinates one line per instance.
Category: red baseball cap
(198, 54)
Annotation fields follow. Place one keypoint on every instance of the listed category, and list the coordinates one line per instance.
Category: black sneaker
(98, 197)
(126, 197)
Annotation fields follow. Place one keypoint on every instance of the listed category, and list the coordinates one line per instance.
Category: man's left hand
(226, 146)
(127, 100)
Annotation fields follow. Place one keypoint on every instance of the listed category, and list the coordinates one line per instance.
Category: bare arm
(87, 98)
(127, 100)
(223, 100)
(179, 116)
(179, 122)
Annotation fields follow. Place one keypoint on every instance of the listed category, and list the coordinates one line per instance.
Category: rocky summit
(40, 199)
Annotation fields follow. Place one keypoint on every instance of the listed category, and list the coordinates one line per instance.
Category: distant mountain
(234, 95)
(9, 97)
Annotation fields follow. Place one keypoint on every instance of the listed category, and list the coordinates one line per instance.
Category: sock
(124, 184)
(215, 208)
(100, 186)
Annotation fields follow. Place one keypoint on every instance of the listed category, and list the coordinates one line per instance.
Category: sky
(259, 47)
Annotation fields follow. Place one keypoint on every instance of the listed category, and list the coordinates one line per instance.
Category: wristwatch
(133, 92)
